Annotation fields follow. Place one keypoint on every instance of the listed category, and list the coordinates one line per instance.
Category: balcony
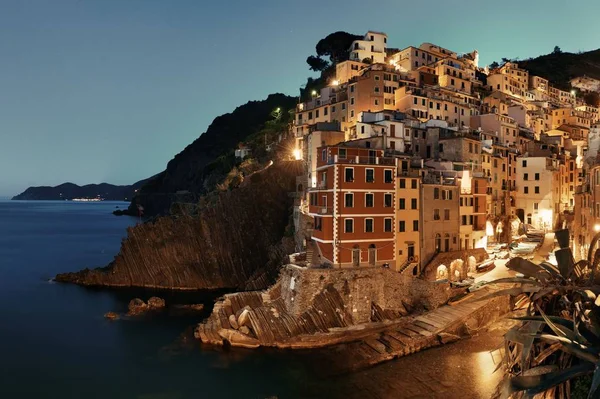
(362, 160)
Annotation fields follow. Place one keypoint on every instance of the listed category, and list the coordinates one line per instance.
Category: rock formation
(137, 306)
(314, 307)
(235, 241)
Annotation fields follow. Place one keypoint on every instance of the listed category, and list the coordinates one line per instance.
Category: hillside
(68, 191)
(559, 67)
(205, 162)
(236, 240)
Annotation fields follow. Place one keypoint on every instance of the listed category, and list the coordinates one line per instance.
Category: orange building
(353, 207)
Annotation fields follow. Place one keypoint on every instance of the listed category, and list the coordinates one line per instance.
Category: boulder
(244, 319)
(136, 306)
(244, 330)
(156, 303)
(186, 309)
(233, 322)
(446, 338)
(237, 339)
(111, 315)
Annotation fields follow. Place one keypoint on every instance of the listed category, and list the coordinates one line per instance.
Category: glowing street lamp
(313, 93)
(597, 227)
(335, 82)
(297, 154)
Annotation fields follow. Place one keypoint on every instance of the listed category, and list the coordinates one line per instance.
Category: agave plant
(558, 340)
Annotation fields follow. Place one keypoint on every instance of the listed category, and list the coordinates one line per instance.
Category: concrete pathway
(431, 329)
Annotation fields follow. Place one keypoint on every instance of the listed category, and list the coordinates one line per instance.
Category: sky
(98, 91)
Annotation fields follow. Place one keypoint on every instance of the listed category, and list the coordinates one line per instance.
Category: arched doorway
(372, 255)
(438, 242)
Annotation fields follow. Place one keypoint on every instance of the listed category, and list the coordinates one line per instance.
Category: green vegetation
(558, 342)
(330, 50)
(560, 67)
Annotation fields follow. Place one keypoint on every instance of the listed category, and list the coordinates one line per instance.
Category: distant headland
(70, 191)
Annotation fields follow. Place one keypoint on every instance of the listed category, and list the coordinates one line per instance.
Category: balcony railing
(362, 160)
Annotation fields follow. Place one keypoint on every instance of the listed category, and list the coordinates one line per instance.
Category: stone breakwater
(309, 308)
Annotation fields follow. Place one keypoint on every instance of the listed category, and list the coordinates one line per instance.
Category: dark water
(55, 342)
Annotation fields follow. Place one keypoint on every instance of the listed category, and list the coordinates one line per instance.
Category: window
(415, 225)
(369, 200)
(370, 175)
(441, 148)
(342, 153)
(402, 203)
(526, 190)
(526, 176)
(444, 194)
(436, 193)
(446, 214)
(402, 183)
(318, 223)
(413, 203)
(537, 176)
(388, 176)
(352, 91)
(402, 226)
(387, 200)
(348, 225)
(368, 225)
(413, 183)
(352, 100)
(537, 189)
(535, 206)
(349, 200)
(387, 225)
(349, 172)
(316, 113)
(436, 214)
(524, 163)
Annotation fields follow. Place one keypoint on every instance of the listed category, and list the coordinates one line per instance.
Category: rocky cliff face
(201, 165)
(234, 241)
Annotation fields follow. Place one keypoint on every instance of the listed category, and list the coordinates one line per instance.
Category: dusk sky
(110, 90)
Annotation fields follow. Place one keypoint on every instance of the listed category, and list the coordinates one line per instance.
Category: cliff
(234, 240)
(204, 163)
(68, 191)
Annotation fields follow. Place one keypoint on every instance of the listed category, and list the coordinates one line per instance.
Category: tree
(367, 61)
(494, 65)
(316, 63)
(557, 50)
(592, 98)
(505, 60)
(336, 46)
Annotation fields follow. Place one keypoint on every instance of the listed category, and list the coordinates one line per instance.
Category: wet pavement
(464, 369)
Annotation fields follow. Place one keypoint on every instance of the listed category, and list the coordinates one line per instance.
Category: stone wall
(309, 301)
(446, 258)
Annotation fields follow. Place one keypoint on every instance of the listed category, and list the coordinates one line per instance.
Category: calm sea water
(55, 342)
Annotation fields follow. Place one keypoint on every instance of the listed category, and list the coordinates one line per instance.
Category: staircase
(404, 266)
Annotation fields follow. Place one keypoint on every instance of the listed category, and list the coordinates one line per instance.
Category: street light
(597, 227)
(314, 93)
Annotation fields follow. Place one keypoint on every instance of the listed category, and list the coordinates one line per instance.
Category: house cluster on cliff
(420, 151)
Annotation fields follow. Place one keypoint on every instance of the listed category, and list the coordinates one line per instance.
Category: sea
(56, 343)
